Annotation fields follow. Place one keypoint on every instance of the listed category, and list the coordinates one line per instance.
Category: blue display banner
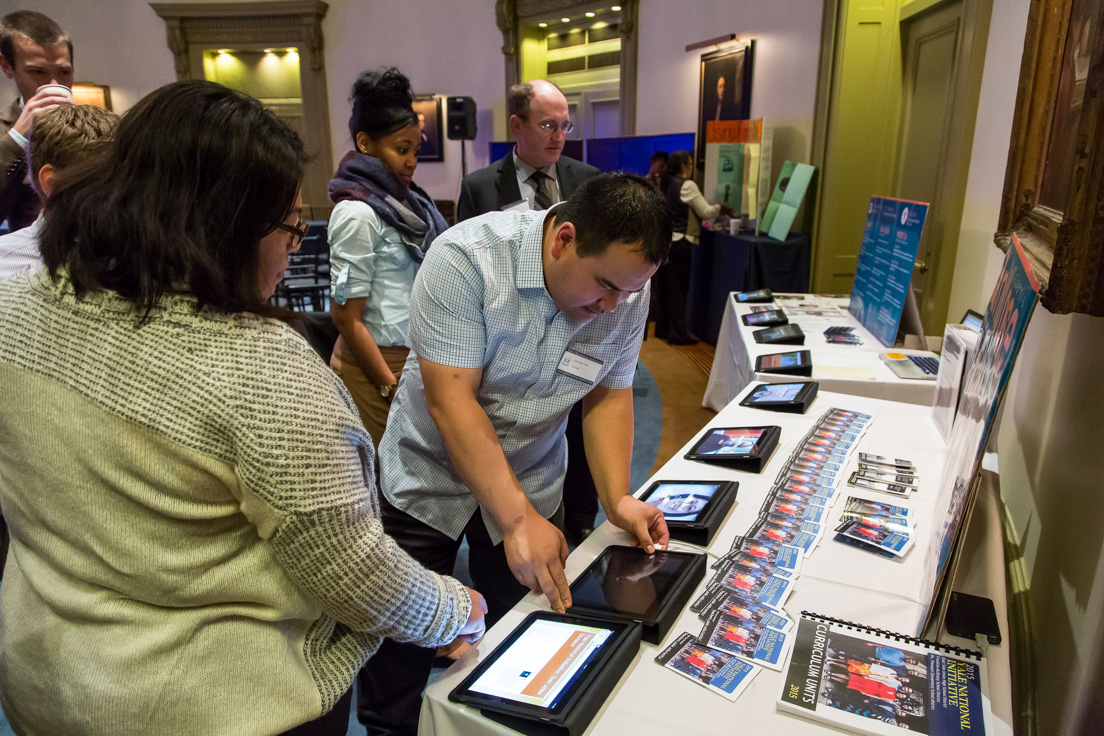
(884, 272)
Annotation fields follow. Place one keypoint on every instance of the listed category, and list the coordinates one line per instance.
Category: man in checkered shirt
(514, 317)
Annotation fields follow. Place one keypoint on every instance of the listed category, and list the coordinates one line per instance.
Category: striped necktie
(542, 190)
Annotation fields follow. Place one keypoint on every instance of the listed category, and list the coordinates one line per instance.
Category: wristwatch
(388, 392)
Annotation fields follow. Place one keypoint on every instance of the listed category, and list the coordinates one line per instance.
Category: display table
(849, 369)
(836, 580)
(722, 263)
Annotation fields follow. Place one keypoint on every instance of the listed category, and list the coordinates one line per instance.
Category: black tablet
(798, 363)
(628, 583)
(790, 397)
(765, 319)
(693, 509)
(787, 334)
(554, 668)
(754, 297)
(973, 319)
(742, 448)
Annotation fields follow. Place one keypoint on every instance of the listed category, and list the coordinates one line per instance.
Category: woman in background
(688, 209)
(379, 232)
(195, 537)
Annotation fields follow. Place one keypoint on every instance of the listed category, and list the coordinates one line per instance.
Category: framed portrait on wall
(429, 120)
(725, 92)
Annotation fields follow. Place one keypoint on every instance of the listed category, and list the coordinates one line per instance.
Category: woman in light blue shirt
(380, 229)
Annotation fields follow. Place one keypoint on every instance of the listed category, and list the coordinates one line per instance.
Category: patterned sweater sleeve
(305, 465)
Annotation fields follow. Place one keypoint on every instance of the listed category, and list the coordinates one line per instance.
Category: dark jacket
(492, 188)
(19, 202)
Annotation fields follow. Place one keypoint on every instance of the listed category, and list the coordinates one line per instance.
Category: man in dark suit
(540, 123)
(536, 176)
(34, 51)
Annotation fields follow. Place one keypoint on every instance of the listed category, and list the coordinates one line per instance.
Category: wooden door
(930, 44)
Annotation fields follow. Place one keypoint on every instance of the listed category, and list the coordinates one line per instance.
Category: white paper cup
(57, 89)
(733, 226)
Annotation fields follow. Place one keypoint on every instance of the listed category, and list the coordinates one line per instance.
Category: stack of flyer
(742, 607)
(894, 476)
(876, 527)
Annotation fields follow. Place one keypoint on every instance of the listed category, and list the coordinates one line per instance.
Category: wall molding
(192, 28)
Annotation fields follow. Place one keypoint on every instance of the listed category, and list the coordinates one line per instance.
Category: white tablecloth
(848, 369)
(836, 580)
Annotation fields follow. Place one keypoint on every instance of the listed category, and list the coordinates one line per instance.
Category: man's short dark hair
(62, 136)
(41, 30)
(659, 156)
(195, 176)
(619, 208)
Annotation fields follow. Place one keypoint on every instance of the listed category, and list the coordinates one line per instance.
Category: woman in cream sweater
(196, 545)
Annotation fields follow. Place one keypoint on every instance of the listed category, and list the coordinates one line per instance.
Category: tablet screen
(780, 360)
(773, 333)
(776, 392)
(731, 442)
(627, 581)
(682, 501)
(743, 296)
(542, 662)
(756, 318)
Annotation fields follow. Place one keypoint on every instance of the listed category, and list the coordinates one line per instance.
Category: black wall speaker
(461, 119)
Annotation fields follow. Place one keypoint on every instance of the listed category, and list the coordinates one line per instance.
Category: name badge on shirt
(579, 366)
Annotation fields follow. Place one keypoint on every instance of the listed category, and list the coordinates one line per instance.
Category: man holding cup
(38, 55)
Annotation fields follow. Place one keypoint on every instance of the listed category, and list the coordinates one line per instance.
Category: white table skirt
(836, 580)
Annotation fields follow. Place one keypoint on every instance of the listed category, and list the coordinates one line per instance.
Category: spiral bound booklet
(881, 683)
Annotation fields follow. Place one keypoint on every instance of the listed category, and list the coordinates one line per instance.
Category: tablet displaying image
(771, 317)
(788, 333)
(776, 393)
(749, 297)
(735, 442)
(539, 665)
(782, 331)
(681, 501)
(780, 361)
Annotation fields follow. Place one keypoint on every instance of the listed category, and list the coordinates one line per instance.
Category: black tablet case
(782, 320)
(798, 407)
(573, 721)
(798, 339)
(805, 371)
(702, 531)
(750, 464)
(766, 298)
(656, 628)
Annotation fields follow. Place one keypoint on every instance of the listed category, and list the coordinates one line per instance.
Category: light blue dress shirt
(479, 301)
(369, 259)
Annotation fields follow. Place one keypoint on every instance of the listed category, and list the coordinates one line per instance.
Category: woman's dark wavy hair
(196, 175)
(382, 103)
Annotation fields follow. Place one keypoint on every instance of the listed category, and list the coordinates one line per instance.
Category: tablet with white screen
(554, 668)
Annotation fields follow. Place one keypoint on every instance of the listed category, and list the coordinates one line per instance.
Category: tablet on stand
(693, 509)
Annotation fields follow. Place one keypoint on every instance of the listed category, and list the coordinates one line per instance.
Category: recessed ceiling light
(616, 8)
(543, 25)
(589, 14)
(268, 51)
(566, 20)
